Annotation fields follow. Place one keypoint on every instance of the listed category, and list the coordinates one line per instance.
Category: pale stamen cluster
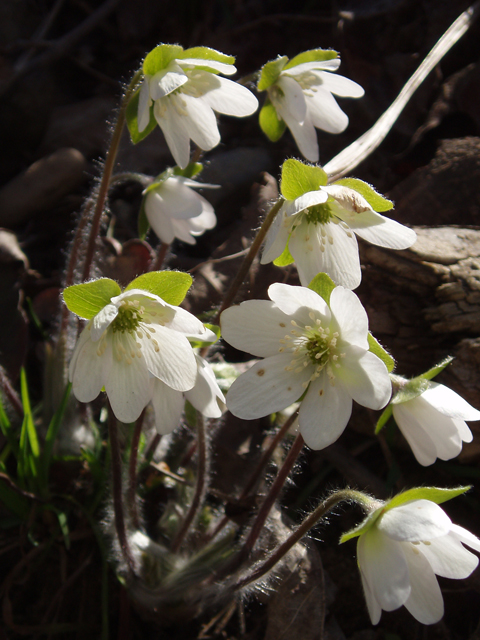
(307, 82)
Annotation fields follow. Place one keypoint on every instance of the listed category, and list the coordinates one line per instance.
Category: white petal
(465, 536)
(187, 323)
(425, 602)
(201, 123)
(301, 203)
(144, 102)
(341, 86)
(206, 220)
(414, 521)
(324, 412)
(348, 199)
(325, 112)
(293, 99)
(167, 355)
(222, 67)
(266, 388)
(158, 218)
(298, 300)
(206, 395)
(277, 238)
(103, 320)
(330, 65)
(339, 257)
(168, 406)
(179, 201)
(173, 126)
(166, 81)
(350, 317)
(449, 403)
(448, 557)
(365, 377)
(231, 99)
(384, 568)
(303, 133)
(255, 326)
(421, 443)
(374, 609)
(128, 385)
(379, 230)
(88, 370)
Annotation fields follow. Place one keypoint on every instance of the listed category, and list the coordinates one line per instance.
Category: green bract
(270, 72)
(171, 286)
(376, 348)
(131, 116)
(374, 199)
(284, 259)
(270, 123)
(160, 57)
(299, 178)
(313, 55)
(323, 285)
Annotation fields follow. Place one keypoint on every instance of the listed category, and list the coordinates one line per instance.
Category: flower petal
(266, 388)
(222, 67)
(187, 323)
(341, 86)
(144, 102)
(231, 99)
(293, 300)
(324, 412)
(374, 609)
(158, 218)
(448, 557)
(201, 123)
(103, 320)
(379, 230)
(325, 112)
(414, 521)
(350, 317)
(277, 238)
(425, 602)
(365, 377)
(301, 203)
(449, 403)
(293, 99)
(465, 537)
(166, 81)
(255, 326)
(88, 370)
(172, 124)
(168, 406)
(179, 201)
(206, 395)
(330, 65)
(303, 132)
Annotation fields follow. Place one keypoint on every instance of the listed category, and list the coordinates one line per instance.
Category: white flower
(302, 97)
(185, 95)
(205, 396)
(134, 340)
(433, 423)
(320, 228)
(308, 347)
(401, 552)
(174, 210)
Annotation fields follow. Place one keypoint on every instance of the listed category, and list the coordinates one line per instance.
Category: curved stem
(161, 254)
(202, 458)
(132, 471)
(107, 174)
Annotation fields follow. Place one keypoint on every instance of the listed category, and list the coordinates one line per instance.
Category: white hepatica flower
(303, 98)
(174, 210)
(433, 423)
(185, 96)
(134, 340)
(400, 554)
(320, 228)
(205, 396)
(306, 346)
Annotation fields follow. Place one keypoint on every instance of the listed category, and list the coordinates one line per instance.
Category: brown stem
(152, 447)
(132, 471)
(10, 393)
(107, 174)
(202, 462)
(161, 254)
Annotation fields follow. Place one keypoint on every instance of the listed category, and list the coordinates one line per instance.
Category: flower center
(307, 81)
(318, 214)
(130, 313)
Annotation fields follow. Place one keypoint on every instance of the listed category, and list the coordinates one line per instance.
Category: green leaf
(87, 299)
(313, 55)
(270, 72)
(284, 259)
(376, 348)
(299, 178)
(434, 494)
(143, 225)
(323, 285)
(160, 57)
(171, 286)
(190, 171)
(384, 418)
(131, 115)
(434, 371)
(374, 199)
(205, 53)
(51, 436)
(270, 122)
(29, 449)
(410, 390)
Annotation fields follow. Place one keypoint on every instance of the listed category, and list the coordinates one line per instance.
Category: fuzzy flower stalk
(181, 91)
(300, 96)
(403, 545)
(318, 222)
(313, 351)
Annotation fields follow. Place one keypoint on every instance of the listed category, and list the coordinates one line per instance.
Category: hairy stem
(132, 471)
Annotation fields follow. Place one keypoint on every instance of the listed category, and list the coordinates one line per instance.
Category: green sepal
(131, 116)
(205, 53)
(87, 299)
(159, 180)
(171, 286)
(299, 178)
(160, 57)
(143, 225)
(438, 368)
(285, 258)
(270, 123)
(412, 389)
(374, 199)
(323, 285)
(376, 348)
(190, 171)
(190, 414)
(434, 494)
(313, 55)
(200, 344)
(384, 418)
(270, 72)
(364, 526)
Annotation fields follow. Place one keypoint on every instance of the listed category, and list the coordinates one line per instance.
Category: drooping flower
(300, 97)
(309, 348)
(317, 223)
(185, 90)
(205, 396)
(174, 210)
(433, 423)
(402, 546)
(135, 339)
